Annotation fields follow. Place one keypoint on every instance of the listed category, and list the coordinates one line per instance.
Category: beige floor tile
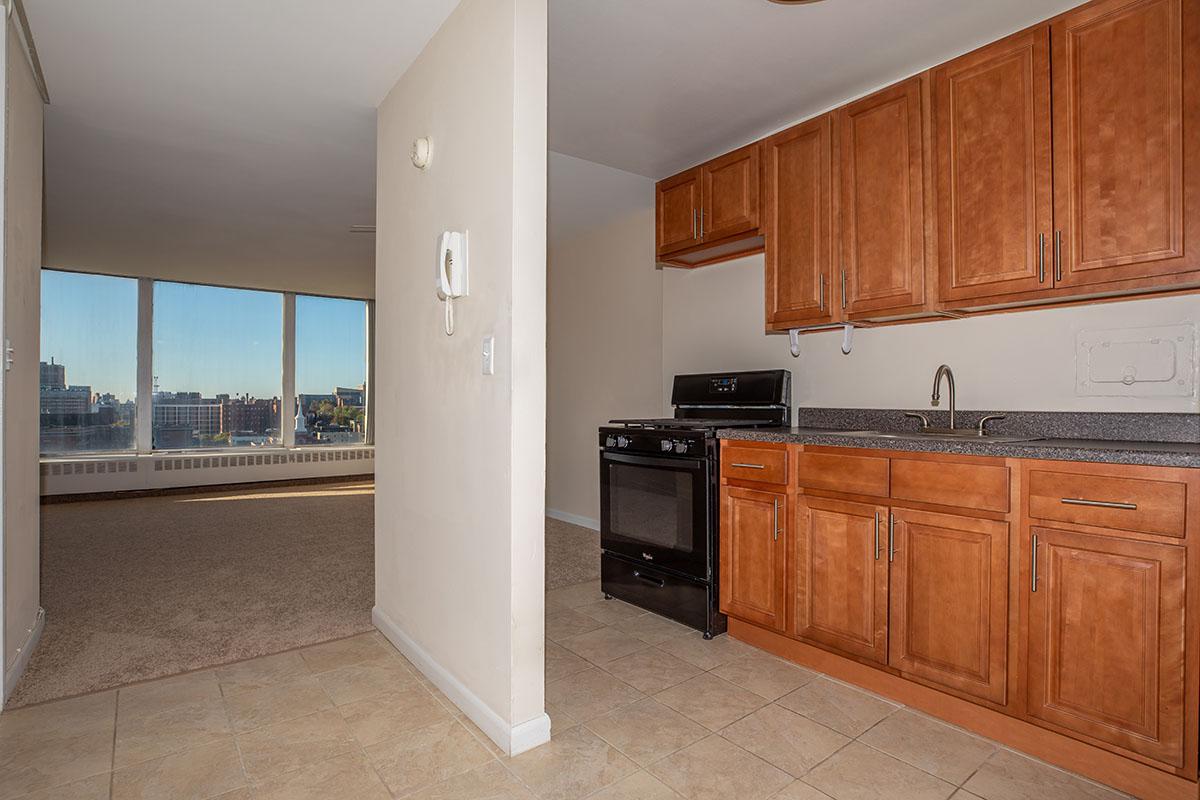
(245, 793)
(603, 645)
(93, 788)
(393, 713)
(847, 710)
(561, 662)
(711, 701)
(266, 671)
(571, 766)
(787, 740)
(285, 746)
(367, 679)
(1010, 776)
(198, 774)
(765, 675)
(705, 654)
(638, 786)
(610, 612)
(857, 772)
(715, 769)
(801, 791)
(489, 782)
(482, 737)
(647, 731)
(345, 777)
(441, 697)
(963, 794)
(651, 670)
(589, 694)
(266, 705)
(653, 629)
(581, 594)
(565, 624)
(423, 757)
(56, 744)
(344, 652)
(142, 737)
(949, 753)
(560, 721)
(148, 698)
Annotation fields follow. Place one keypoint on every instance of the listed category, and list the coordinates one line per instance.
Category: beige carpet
(572, 554)
(143, 588)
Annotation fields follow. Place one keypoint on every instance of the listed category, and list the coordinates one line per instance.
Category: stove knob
(666, 445)
(610, 441)
(681, 447)
(622, 441)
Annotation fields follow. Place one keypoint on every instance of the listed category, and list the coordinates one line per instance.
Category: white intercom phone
(451, 272)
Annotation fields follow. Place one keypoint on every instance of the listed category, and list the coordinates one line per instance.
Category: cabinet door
(1106, 640)
(882, 202)
(677, 211)
(730, 194)
(991, 121)
(1124, 188)
(949, 601)
(800, 246)
(753, 553)
(841, 576)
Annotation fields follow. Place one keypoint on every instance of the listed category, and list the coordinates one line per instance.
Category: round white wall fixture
(422, 152)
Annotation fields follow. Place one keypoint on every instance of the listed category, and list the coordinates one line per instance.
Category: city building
(53, 376)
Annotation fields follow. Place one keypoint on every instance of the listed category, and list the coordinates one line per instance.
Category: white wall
(460, 455)
(22, 215)
(605, 312)
(713, 319)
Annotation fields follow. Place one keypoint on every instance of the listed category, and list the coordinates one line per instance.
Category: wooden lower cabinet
(948, 620)
(1105, 636)
(754, 555)
(840, 577)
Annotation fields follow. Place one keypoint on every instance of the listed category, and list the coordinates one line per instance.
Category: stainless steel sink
(940, 436)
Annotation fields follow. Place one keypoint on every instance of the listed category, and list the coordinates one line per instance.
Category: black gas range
(659, 532)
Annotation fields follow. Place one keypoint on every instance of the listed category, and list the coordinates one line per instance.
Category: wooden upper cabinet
(840, 576)
(991, 122)
(949, 602)
(1106, 641)
(729, 194)
(753, 555)
(882, 167)
(677, 212)
(798, 223)
(1127, 140)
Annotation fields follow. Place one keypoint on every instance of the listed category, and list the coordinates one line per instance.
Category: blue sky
(206, 339)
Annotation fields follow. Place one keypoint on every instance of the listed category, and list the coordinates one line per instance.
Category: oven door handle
(651, 461)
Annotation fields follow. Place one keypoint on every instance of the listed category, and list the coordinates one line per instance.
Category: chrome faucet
(944, 369)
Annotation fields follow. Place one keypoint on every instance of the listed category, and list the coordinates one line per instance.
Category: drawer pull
(1071, 501)
(657, 583)
(747, 466)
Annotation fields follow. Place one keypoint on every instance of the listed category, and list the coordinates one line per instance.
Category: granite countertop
(1108, 451)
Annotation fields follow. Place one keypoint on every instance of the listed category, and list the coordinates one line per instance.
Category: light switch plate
(489, 355)
(1136, 362)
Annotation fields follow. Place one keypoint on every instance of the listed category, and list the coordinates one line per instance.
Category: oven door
(656, 510)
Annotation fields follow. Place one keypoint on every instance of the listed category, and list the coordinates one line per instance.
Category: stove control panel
(654, 442)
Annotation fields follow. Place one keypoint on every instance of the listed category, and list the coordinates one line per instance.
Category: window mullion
(287, 402)
(144, 416)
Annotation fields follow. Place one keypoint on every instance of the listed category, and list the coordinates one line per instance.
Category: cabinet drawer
(1119, 502)
(838, 473)
(762, 464)
(946, 483)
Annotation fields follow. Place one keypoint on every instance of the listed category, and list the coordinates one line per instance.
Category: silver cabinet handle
(1041, 258)
(1033, 565)
(747, 466)
(693, 223)
(1058, 256)
(1072, 501)
(843, 289)
(821, 290)
(891, 537)
(876, 535)
(775, 520)
(702, 222)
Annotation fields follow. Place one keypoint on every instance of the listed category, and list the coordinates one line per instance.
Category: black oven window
(651, 505)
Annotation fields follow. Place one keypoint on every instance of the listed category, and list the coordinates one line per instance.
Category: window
(217, 366)
(89, 362)
(331, 370)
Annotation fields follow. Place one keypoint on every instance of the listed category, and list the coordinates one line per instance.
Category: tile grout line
(112, 760)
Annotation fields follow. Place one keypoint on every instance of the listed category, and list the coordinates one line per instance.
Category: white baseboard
(513, 739)
(17, 668)
(574, 519)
